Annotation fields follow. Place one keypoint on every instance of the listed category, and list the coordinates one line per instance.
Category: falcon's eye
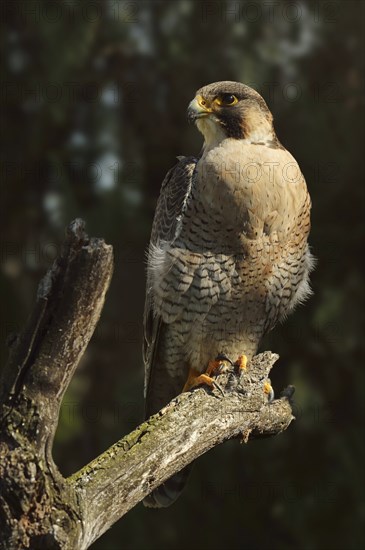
(226, 100)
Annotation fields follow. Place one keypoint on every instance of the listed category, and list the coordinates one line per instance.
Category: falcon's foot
(195, 378)
(241, 362)
(219, 363)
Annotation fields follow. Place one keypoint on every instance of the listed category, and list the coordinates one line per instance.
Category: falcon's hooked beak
(198, 108)
(201, 112)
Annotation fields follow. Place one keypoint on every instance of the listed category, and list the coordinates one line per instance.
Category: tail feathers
(167, 493)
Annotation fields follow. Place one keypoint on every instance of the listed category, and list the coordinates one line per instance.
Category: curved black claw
(216, 385)
(224, 357)
(271, 395)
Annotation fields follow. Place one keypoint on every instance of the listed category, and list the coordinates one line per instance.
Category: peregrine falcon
(228, 256)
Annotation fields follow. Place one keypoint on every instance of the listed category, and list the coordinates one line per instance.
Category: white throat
(212, 131)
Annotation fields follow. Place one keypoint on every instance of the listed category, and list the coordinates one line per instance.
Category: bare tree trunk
(38, 507)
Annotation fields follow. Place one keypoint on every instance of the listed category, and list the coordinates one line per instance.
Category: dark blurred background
(94, 96)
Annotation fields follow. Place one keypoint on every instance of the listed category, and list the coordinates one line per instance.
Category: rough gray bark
(41, 509)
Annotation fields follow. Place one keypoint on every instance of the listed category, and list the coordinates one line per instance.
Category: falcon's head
(231, 110)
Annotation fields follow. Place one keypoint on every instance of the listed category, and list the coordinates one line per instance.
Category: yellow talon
(242, 362)
(213, 366)
(268, 389)
(195, 379)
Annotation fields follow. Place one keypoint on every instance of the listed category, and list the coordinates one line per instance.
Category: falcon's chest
(251, 189)
(231, 236)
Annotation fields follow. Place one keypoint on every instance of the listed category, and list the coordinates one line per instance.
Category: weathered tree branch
(41, 509)
(189, 426)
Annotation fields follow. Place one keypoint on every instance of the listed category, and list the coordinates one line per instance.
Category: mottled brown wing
(174, 195)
